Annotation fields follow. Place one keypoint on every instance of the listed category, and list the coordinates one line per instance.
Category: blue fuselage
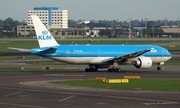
(101, 51)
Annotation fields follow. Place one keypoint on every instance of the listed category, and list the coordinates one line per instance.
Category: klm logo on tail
(44, 36)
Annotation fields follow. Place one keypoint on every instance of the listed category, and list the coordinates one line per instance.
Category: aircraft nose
(169, 55)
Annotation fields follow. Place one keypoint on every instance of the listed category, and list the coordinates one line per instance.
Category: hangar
(170, 31)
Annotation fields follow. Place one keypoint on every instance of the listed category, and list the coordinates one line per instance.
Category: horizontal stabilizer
(49, 50)
(20, 49)
(44, 50)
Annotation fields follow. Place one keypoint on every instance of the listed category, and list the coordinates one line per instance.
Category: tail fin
(44, 37)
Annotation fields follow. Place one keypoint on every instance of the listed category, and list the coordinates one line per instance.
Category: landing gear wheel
(91, 70)
(86, 70)
(118, 69)
(114, 70)
(158, 68)
(109, 70)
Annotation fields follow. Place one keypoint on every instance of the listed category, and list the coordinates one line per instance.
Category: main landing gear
(158, 68)
(114, 68)
(91, 69)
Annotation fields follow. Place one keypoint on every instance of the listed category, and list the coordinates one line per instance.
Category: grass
(25, 44)
(31, 70)
(172, 62)
(49, 63)
(112, 42)
(16, 58)
(177, 47)
(175, 52)
(81, 37)
(143, 84)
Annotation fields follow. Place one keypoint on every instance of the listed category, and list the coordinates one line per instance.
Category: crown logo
(44, 32)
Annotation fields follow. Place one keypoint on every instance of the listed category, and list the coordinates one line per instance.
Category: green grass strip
(143, 84)
(31, 70)
(172, 62)
(16, 58)
(177, 47)
(49, 63)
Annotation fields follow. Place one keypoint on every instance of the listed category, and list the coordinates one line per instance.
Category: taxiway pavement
(32, 90)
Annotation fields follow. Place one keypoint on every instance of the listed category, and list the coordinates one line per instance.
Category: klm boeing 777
(97, 56)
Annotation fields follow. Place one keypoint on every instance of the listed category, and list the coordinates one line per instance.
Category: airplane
(97, 56)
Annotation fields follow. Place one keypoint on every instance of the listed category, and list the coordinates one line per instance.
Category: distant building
(56, 31)
(94, 21)
(85, 22)
(51, 16)
(146, 19)
(55, 20)
(167, 29)
(95, 33)
(25, 31)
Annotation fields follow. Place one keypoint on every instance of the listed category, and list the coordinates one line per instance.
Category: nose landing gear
(159, 65)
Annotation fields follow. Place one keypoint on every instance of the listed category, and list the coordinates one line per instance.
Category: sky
(96, 9)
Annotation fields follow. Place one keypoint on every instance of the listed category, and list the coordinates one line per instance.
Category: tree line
(134, 23)
(6, 26)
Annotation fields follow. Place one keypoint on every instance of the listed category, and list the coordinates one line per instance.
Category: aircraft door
(67, 53)
(98, 53)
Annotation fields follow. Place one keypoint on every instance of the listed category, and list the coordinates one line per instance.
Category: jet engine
(143, 62)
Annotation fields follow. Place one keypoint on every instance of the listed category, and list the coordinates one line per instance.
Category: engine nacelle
(143, 62)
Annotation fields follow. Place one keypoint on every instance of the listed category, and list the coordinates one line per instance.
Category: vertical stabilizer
(44, 37)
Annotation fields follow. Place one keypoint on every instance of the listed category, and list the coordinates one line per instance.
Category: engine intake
(143, 63)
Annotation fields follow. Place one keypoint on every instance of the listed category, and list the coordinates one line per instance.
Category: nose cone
(168, 55)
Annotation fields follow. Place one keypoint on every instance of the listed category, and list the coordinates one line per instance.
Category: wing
(20, 49)
(127, 56)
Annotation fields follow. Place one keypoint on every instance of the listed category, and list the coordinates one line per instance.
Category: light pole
(178, 25)
(130, 28)
(153, 31)
(165, 21)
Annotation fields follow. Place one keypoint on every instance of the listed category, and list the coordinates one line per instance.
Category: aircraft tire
(91, 70)
(86, 70)
(119, 69)
(114, 70)
(158, 68)
(109, 70)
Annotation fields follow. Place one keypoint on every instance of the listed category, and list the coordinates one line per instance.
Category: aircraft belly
(159, 59)
(74, 60)
(81, 60)
(98, 60)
